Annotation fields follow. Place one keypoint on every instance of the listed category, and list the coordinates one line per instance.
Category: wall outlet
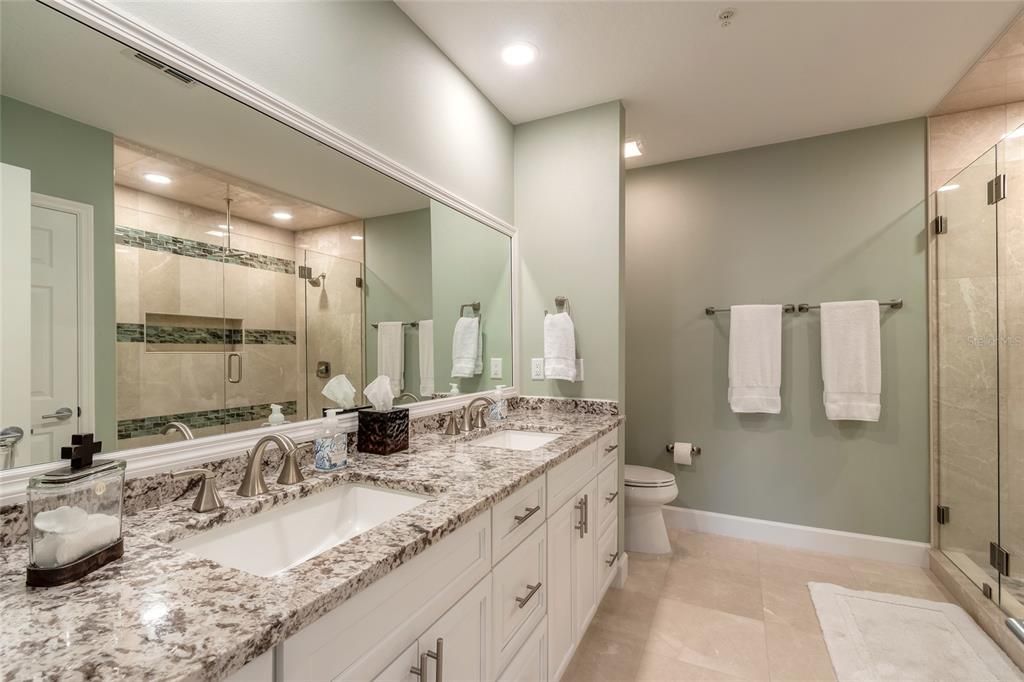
(579, 369)
(537, 368)
(496, 368)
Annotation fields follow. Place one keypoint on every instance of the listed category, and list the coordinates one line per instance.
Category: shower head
(317, 281)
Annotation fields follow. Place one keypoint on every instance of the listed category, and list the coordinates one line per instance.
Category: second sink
(517, 440)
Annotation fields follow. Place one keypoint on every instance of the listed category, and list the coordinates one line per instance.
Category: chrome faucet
(412, 397)
(469, 421)
(180, 427)
(253, 482)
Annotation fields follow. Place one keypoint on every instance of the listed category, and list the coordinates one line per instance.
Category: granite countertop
(160, 613)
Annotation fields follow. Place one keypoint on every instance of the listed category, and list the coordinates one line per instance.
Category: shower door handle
(233, 376)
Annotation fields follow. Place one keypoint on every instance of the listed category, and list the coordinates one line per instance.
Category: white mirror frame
(158, 458)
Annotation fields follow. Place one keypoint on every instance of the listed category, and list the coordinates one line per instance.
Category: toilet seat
(647, 477)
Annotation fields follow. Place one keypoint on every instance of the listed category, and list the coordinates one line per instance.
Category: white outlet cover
(496, 368)
(537, 368)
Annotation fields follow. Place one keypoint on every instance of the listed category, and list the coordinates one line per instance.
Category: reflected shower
(306, 273)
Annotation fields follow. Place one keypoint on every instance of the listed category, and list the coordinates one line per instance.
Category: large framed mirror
(174, 262)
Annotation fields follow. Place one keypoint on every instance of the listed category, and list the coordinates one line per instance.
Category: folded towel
(851, 360)
(426, 336)
(466, 352)
(559, 347)
(755, 358)
(391, 354)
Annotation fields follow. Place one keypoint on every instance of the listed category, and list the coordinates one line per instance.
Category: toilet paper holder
(671, 449)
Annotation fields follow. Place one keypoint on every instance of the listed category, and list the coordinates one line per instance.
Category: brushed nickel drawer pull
(582, 525)
(421, 671)
(612, 558)
(522, 601)
(611, 498)
(530, 511)
(612, 448)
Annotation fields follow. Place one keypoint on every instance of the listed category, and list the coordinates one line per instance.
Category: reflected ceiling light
(632, 149)
(357, 237)
(518, 54)
(1019, 132)
(282, 215)
(224, 227)
(951, 186)
(156, 178)
(215, 233)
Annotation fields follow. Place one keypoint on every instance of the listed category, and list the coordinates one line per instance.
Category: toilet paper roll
(682, 453)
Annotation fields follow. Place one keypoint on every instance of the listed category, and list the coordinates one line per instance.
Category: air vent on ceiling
(168, 71)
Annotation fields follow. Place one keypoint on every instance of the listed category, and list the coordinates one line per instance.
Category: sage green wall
(74, 161)
(398, 283)
(568, 172)
(837, 217)
(470, 262)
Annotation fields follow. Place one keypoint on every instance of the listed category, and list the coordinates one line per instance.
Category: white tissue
(340, 390)
(379, 393)
(63, 519)
(682, 453)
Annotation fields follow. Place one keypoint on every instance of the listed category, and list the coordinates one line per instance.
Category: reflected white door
(54, 357)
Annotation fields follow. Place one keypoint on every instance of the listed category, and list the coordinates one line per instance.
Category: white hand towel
(426, 335)
(851, 360)
(559, 347)
(391, 354)
(755, 358)
(466, 347)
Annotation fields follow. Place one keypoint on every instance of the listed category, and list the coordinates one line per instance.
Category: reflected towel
(559, 347)
(466, 351)
(755, 358)
(426, 337)
(391, 354)
(851, 360)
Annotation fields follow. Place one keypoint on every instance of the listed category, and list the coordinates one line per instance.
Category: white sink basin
(275, 540)
(516, 440)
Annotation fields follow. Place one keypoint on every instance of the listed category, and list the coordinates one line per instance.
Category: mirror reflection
(175, 264)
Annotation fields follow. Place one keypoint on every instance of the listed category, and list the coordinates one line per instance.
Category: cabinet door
(562, 537)
(460, 639)
(531, 663)
(607, 558)
(584, 563)
(400, 669)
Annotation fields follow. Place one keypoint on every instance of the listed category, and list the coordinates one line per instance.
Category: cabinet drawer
(607, 495)
(400, 669)
(608, 447)
(531, 662)
(520, 595)
(571, 475)
(517, 516)
(607, 557)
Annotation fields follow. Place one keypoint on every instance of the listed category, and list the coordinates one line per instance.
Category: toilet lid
(646, 477)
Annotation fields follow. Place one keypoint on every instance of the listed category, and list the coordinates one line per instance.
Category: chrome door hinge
(940, 224)
(942, 514)
(997, 189)
(999, 558)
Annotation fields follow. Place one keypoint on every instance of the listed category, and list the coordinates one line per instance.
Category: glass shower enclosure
(979, 347)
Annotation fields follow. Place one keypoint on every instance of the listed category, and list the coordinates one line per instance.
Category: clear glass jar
(74, 513)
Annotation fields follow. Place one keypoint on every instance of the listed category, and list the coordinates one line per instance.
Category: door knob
(11, 435)
(62, 414)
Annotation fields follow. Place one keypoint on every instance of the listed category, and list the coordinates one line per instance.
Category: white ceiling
(781, 71)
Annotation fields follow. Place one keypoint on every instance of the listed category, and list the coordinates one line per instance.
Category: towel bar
(475, 306)
(711, 310)
(404, 324)
(894, 304)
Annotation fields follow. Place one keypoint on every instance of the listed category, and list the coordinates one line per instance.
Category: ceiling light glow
(215, 233)
(518, 54)
(1019, 132)
(357, 237)
(282, 215)
(632, 149)
(157, 178)
(947, 188)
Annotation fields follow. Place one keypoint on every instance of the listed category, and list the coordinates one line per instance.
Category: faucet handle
(290, 473)
(208, 498)
(479, 422)
(452, 428)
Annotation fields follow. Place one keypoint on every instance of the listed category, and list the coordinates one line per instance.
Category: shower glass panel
(968, 361)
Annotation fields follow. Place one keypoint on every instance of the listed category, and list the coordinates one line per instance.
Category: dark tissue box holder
(383, 433)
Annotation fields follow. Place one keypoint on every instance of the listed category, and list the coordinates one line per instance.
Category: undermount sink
(278, 539)
(517, 440)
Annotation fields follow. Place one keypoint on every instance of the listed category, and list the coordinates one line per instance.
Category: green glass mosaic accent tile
(149, 426)
(277, 337)
(128, 332)
(154, 241)
(138, 333)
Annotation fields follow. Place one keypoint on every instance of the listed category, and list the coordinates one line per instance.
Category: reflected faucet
(180, 427)
(413, 398)
(253, 483)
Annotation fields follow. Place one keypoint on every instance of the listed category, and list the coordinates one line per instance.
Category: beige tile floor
(727, 609)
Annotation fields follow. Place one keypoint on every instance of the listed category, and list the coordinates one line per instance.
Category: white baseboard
(799, 537)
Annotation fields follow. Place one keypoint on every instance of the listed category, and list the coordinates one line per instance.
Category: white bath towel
(755, 358)
(467, 360)
(426, 336)
(391, 354)
(851, 360)
(559, 347)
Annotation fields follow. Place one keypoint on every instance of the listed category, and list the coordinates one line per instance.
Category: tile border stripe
(191, 248)
(149, 426)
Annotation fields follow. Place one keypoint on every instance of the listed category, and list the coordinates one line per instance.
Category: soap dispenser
(276, 417)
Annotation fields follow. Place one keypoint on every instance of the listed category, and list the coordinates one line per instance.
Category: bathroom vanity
(491, 567)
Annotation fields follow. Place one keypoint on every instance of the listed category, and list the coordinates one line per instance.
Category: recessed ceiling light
(357, 237)
(156, 178)
(215, 233)
(1019, 132)
(518, 54)
(632, 149)
(224, 227)
(951, 186)
(282, 215)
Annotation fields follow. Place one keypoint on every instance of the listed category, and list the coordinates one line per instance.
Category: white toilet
(647, 490)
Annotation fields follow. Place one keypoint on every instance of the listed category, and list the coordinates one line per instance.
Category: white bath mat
(873, 636)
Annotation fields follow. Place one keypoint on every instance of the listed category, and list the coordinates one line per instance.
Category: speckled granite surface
(160, 613)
